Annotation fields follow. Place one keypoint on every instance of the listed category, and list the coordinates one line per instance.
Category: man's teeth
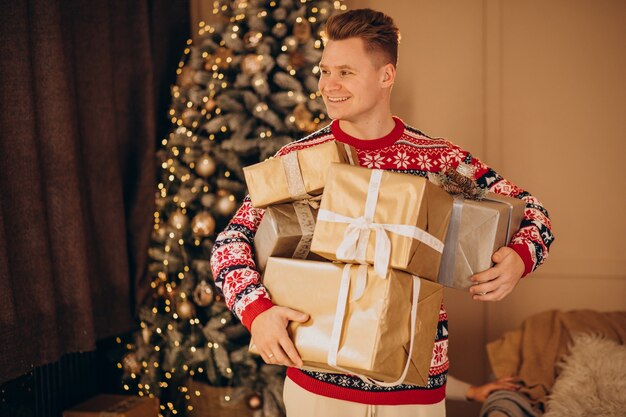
(337, 99)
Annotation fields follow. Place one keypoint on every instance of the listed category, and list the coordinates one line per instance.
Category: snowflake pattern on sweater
(405, 150)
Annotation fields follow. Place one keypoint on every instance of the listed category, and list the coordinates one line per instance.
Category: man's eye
(344, 73)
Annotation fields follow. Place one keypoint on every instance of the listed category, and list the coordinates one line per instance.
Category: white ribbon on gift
(448, 258)
(293, 174)
(356, 236)
(342, 301)
(306, 220)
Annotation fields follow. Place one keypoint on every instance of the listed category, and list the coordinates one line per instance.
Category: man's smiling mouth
(337, 99)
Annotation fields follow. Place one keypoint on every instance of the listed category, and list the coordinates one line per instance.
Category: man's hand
(480, 393)
(498, 281)
(269, 334)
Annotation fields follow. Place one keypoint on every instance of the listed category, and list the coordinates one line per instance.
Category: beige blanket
(532, 351)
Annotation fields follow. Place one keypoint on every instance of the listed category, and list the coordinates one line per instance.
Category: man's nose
(331, 84)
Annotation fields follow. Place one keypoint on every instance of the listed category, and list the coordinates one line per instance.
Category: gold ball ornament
(207, 200)
(205, 166)
(130, 363)
(254, 401)
(203, 224)
(210, 105)
(226, 204)
(252, 39)
(185, 309)
(251, 64)
(203, 295)
(179, 220)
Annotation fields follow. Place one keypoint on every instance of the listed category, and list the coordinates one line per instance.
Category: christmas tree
(245, 87)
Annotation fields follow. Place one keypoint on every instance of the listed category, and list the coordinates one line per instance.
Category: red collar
(379, 143)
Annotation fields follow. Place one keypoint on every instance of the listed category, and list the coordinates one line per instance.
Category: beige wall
(536, 89)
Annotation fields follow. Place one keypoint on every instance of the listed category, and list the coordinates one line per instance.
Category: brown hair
(377, 30)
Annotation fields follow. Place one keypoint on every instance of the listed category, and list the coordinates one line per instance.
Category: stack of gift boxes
(368, 259)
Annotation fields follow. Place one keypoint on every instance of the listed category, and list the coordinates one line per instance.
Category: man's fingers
(487, 287)
(267, 359)
(269, 332)
(486, 276)
(500, 254)
(295, 315)
(496, 295)
(291, 351)
(482, 289)
(280, 357)
(276, 356)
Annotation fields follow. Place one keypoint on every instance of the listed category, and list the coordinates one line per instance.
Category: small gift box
(297, 175)
(115, 406)
(477, 229)
(382, 218)
(380, 328)
(286, 231)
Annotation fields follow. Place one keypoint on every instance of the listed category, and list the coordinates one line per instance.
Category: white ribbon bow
(353, 247)
(354, 237)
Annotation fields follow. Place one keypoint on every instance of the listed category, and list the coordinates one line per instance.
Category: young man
(358, 69)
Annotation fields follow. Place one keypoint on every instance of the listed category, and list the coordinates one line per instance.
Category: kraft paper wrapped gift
(286, 231)
(296, 176)
(115, 406)
(359, 322)
(477, 230)
(382, 218)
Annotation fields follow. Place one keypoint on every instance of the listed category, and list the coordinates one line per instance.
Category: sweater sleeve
(456, 389)
(534, 237)
(233, 266)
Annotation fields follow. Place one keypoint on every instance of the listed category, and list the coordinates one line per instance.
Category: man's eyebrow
(338, 66)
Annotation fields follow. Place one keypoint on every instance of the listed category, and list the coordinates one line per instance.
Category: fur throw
(592, 380)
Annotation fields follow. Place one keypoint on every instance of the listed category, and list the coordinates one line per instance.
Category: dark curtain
(82, 87)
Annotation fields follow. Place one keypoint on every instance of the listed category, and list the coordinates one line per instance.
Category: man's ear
(388, 75)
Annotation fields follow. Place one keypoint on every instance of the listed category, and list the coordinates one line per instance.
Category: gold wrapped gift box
(477, 230)
(375, 331)
(285, 231)
(362, 206)
(295, 176)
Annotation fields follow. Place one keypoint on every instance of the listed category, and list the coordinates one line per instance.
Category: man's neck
(375, 128)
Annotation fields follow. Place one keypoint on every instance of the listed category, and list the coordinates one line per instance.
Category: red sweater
(406, 150)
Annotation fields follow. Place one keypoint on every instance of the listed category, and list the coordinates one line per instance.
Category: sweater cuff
(254, 309)
(523, 251)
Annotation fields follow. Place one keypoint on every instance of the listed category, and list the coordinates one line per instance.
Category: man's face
(352, 82)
